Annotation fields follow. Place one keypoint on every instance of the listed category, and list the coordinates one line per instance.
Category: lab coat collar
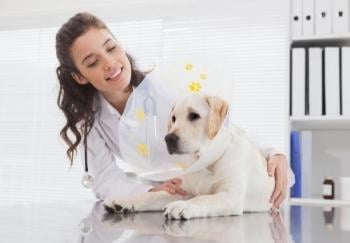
(106, 107)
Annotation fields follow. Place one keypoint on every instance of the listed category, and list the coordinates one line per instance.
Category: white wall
(41, 13)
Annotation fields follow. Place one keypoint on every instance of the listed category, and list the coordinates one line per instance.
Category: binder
(346, 81)
(298, 82)
(332, 81)
(323, 17)
(296, 164)
(308, 17)
(306, 163)
(315, 81)
(296, 18)
(340, 16)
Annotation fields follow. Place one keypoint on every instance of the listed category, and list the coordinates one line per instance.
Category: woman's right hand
(171, 186)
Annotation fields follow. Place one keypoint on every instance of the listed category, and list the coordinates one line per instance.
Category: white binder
(346, 81)
(315, 81)
(298, 81)
(340, 16)
(296, 18)
(332, 81)
(323, 17)
(308, 17)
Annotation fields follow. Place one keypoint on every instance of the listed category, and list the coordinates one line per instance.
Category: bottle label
(327, 190)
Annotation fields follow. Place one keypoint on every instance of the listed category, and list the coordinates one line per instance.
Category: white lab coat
(110, 181)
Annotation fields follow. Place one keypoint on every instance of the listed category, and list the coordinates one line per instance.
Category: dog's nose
(171, 142)
(171, 139)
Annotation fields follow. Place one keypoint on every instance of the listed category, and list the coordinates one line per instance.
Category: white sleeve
(267, 150)
(109, 180)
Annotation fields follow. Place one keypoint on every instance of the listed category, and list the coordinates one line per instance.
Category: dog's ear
(218, 110)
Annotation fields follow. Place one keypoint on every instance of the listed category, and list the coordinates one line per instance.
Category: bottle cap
(329, 178)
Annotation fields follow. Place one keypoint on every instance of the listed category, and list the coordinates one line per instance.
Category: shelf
(321, 41)
(318, 202)
(330, 37)
(320, 123)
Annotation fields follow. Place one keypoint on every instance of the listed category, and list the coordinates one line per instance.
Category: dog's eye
(193, 116)
(173, 118)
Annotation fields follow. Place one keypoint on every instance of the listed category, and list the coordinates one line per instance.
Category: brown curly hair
(76, 101)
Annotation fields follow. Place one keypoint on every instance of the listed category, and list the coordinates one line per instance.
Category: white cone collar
(143, 127)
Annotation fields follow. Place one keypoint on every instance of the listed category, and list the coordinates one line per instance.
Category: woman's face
(101, 61)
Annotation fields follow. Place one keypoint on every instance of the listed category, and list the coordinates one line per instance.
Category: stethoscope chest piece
(87, 180)
(85, 227)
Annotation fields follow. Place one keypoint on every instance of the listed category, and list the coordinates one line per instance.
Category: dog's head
(193, 121)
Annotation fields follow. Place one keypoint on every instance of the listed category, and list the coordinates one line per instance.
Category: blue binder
(296, 163)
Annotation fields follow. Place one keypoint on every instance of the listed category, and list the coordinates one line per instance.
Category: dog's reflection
(152, 227)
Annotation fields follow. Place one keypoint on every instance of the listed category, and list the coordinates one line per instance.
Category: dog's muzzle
(172, 143)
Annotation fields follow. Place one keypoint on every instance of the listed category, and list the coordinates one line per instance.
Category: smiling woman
(90, 60)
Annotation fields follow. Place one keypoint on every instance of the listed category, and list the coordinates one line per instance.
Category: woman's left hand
(277, 167)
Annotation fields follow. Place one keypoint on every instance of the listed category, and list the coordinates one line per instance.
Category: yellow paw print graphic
(140, 115)
(195, 87)
(182, 165)
(142, 149)
(203, 76)
(188, 67)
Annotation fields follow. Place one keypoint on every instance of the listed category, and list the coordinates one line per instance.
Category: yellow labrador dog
(235, 182)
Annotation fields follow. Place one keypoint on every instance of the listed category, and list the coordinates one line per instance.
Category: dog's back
(242, 165)
(259, 185)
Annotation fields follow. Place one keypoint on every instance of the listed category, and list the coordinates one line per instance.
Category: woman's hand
(277, 167)
(277, 228)
(172, 186)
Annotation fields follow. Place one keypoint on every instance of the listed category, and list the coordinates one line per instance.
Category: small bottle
(328, 188)
(328, 214)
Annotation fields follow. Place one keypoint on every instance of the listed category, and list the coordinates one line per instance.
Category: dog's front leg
(148, 201)
(221, 204)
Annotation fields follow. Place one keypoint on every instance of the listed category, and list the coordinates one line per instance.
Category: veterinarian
(96, 77)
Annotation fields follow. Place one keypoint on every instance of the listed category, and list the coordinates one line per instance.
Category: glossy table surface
(88, 222)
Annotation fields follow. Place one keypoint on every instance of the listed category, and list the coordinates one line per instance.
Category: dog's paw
(181, 210)
(119, 207)
(178, 228)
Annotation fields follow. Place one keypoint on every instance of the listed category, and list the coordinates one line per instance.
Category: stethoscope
(87, 180)
(149, 106)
